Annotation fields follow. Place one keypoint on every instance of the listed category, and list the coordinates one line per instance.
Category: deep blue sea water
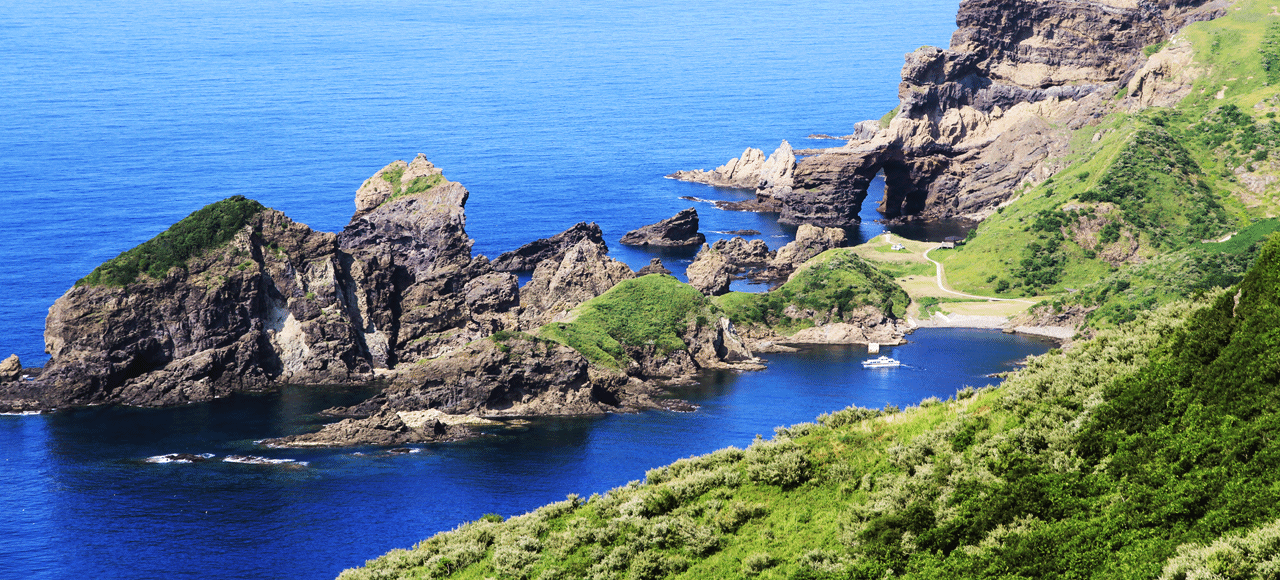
(120, 118)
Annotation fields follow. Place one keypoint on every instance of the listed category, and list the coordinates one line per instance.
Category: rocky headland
(992, 113)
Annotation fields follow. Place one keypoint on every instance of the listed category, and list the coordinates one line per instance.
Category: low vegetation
(207, 228)
(836, 283)
(395, 177)
(1146, 451)
(650, 310)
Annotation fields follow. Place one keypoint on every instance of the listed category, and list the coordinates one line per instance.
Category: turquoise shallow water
(122, 117)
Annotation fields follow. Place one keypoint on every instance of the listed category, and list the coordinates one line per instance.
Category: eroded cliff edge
(993, 112)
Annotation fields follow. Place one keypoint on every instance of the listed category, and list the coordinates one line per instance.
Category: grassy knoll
(1146, 449)
(205, 229)
(836, 283)
(650, 310)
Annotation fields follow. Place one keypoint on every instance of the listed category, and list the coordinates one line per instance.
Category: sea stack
(680, 230)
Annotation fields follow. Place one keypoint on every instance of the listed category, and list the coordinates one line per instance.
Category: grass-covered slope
(835, 282)
(206, 228)
(1148, 449)
(650, 310)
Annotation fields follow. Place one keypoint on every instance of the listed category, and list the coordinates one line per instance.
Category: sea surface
(120, 118)
(87, 494)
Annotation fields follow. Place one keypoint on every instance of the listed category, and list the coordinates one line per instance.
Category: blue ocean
(120, 118)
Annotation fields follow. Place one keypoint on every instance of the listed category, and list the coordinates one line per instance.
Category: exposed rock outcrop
(750, 171)
(744, 255)
(655, 267)
(279, 302)
(528, 256)
(10, 368)
(810, 241)
(676, 231)
(995, 110)
(709, 272)
(558, 286)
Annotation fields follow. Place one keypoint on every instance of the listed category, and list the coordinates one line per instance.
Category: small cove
(86, 499)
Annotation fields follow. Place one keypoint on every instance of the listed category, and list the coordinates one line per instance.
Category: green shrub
(757, 563)
(207, 228)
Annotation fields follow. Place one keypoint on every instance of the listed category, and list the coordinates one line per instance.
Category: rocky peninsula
(239, 298)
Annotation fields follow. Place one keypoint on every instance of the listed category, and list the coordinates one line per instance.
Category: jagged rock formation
(279, 302)
(996, 109)
(11, 368)
(744, 255)
(709, 272)
(655, 267)
(528, 256)
(810, 241)
(676, 231)
(558, 286)
(715, 266)
(751, 171)
(238, 297)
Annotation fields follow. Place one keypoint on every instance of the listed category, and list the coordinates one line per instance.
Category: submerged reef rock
(528, 256)
(676, 231)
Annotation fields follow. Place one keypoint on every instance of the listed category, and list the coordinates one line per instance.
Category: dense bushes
(205, 229)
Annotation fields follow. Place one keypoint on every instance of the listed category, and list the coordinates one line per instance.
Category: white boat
(880, 363)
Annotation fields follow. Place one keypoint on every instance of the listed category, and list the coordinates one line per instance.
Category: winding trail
(942, 287)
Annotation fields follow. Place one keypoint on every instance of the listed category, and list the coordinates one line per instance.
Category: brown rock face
(676, 231)
(996, 110)
(528, 256)
(558, 286)
(11, 368)
(709, 272)
(655, 267)
(280, 302)
(810, 241)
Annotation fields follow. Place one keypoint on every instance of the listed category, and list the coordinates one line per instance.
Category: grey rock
(676, 231)
(559, 286)
(528, 256)
(655, 267)
(709, 272)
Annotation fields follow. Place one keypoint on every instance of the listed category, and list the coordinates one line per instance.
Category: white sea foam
(256, 460)
(179, 458)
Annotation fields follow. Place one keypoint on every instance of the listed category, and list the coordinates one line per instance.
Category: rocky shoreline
(397, 299)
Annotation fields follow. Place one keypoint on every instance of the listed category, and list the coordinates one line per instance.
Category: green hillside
(1148, 448)
(1143, 191)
